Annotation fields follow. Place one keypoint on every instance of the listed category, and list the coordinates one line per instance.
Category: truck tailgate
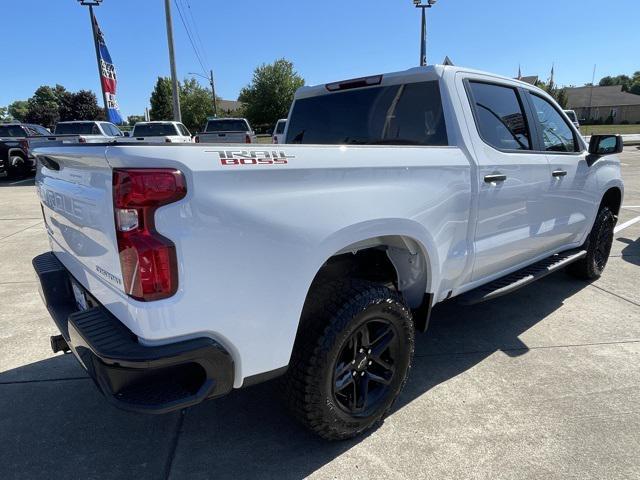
(75, 189)
(223, 137)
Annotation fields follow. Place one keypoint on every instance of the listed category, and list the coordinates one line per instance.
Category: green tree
(623, 80)
(84, 106)
(161, 100)
(43, 107)
(269, 95)
(195, 104)
(133, 119)
(558, 94)
(19, 110)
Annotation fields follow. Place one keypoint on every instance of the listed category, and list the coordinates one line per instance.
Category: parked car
(279, 131)
(159, 132)
(15, 160)
(30, 132)
(215, 268)
(573, 117)
(227, 130)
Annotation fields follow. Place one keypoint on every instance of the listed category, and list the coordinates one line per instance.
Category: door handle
(559, 173)
(496, 177)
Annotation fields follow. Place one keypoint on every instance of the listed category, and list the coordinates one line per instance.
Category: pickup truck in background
(30, 133)
(218, 267)
(158, 132)
(279, 132)
(15, 161)
(227, 130)
(85, 131)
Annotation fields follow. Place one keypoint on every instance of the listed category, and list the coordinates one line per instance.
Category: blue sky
(327, 40)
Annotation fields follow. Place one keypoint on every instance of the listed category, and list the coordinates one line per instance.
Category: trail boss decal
(252, 157)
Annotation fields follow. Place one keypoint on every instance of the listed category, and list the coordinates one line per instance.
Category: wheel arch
(612, 198)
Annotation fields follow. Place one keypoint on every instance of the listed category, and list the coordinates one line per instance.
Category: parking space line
(16, 233)
(21, 181)
(626, 224)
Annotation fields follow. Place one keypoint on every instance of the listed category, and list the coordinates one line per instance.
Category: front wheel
(351, 359)
(598, 247)
(18, 167)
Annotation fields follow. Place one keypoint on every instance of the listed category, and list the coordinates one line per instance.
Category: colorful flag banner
(107, 76)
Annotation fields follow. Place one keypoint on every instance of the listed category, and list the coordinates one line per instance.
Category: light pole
(91, 4)
(213, 89)
(177, 116)
(423, 31)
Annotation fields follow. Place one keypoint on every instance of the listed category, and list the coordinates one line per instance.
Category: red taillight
(24, 144)
(247, 138)
(148, 260)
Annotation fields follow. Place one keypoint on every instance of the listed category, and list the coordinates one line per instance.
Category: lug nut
(370, 362)
(362, 374)
(368, 351)
(361, 350)
(354, 374)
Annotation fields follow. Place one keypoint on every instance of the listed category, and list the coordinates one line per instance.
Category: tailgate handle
(49, 163)
(559, 173)
(496, 177)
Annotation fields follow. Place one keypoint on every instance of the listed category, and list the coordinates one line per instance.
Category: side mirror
(126, 134)
(605, 144)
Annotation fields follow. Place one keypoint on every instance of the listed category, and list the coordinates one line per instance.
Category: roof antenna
(447, 61)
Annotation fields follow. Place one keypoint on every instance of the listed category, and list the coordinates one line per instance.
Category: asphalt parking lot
(544, 383)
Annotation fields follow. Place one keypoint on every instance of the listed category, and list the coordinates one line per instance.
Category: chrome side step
(520, 278)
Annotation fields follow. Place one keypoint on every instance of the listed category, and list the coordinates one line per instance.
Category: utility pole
(91, 4)
(177, 116)
(213, 89)
(593, 79)
(423, 30)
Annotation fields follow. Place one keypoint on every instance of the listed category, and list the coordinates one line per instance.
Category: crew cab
(226, 130)
(178, 273)
(158, 132)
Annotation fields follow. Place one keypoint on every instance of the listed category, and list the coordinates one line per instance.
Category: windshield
(154, 130)
(38, 130)
(226, 126)
(280, 127)
(77, 128)
(12, 131)
(409, 114)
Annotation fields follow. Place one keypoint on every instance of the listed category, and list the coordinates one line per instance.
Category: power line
(195, 50)
(195, 27)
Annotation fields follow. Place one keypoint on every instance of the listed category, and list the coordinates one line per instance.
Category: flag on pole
(108, 76)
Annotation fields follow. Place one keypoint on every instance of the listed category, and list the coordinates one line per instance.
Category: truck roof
(416, 74)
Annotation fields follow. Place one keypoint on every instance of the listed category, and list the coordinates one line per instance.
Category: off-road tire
(332, 316)
(598, 246)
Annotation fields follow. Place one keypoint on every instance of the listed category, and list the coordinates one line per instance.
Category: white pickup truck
(227, 130)
(158, 132)
(80, 131)
(178, 273)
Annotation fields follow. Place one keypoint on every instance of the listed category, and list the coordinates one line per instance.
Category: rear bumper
(131, 376)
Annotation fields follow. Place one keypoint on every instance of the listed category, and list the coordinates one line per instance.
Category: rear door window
(406, 114)
(500, 116)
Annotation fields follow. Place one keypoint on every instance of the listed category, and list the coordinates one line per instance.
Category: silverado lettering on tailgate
(252, 157)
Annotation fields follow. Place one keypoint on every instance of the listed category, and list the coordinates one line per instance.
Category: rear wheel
(598, 247)
(351, 359)
(18, 167)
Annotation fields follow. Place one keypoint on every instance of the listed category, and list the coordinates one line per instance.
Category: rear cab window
(12, 131)
(154, 130)
(404, 114)
(77, 128)
(499, 115)
(226, 126)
